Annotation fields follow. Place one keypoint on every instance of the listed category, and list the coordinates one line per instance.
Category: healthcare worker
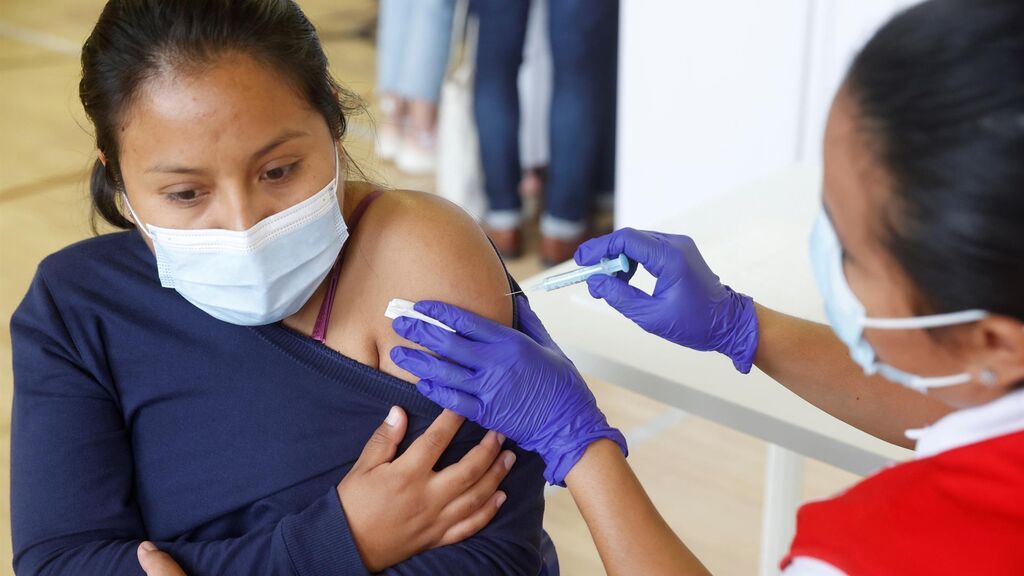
(919, 255)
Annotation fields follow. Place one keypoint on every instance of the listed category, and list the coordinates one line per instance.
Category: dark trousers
(584, 48)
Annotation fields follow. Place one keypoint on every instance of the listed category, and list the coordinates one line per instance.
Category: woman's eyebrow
(179, 169)
(286, 136)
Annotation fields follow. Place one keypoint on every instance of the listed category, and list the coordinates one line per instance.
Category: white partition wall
(714, 95)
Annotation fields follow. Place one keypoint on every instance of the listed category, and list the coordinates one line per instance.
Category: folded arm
(72, 485)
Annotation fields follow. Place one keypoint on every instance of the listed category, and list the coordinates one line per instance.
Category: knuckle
(402, 482)
(498, 471)
(467, 476)
(435, 439)
(473, 503)
(379, 437)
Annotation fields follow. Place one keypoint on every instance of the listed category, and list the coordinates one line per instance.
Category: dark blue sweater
(138, 416)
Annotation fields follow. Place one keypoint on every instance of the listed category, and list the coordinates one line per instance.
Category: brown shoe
(509, 242)
(557, 250)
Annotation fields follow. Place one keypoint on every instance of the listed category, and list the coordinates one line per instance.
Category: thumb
(156, 562)
(383, 444)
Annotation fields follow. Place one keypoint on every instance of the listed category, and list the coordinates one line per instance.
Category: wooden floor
(706, 479)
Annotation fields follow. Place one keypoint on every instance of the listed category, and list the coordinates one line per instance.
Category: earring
(987, 377)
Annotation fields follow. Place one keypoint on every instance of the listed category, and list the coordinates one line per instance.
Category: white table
(756, 240)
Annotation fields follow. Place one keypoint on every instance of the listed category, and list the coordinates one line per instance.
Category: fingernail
(501, 499)
(148, 546)
(393, 416)
(501, 438)
(509, 459)
(424, 387)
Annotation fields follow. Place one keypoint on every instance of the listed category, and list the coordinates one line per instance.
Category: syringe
(606, 266)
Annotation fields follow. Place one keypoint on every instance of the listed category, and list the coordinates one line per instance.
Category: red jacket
(957, 512)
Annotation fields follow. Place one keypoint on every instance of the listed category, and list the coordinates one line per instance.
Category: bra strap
(323, 318)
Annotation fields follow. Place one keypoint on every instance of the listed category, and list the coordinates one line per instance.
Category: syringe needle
(516, 292)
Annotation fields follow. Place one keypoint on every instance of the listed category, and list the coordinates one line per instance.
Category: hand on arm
(522, 385)
(397, 508)
(517, 383)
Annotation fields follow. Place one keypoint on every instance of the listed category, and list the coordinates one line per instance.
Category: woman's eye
(183, 196)
(279, 173)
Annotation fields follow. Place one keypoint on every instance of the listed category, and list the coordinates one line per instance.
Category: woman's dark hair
(136, 40)
(940, 94)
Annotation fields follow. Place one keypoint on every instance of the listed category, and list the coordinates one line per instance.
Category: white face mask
(256, 276)
(849, 319)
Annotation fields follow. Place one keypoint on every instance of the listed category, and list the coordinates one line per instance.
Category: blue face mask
(849, 319)
(256, 276)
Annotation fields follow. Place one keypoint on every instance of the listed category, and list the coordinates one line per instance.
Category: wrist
(594, 459)
(741, 346)
(565, 449)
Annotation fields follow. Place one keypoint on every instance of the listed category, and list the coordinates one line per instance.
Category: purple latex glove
(689, 306)
(517, 383)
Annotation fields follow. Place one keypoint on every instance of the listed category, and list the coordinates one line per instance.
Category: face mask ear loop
(924, 322)
(923, 384)
(337, 167)
(135, 217)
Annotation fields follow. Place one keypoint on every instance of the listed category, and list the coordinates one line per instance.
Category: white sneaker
(389, 130)
(389, 139)
(418, 154)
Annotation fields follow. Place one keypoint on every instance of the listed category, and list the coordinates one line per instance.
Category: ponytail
(103, 190)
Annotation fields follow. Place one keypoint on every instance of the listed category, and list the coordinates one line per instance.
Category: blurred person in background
(584, 45)
(535, 76)
(412, 52)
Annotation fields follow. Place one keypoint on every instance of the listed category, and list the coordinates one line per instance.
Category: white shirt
(963, 427)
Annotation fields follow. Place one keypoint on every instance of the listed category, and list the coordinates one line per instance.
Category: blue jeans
(412, 47)
(584, 47)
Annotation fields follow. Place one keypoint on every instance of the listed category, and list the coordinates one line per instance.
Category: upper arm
(71, 463)
(421, 247)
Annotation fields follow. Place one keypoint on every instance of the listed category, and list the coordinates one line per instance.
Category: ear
(103, 158)
(999, 343)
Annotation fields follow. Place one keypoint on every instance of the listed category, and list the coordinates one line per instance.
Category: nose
(244, 208)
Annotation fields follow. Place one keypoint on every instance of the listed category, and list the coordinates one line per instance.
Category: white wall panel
(714, 95)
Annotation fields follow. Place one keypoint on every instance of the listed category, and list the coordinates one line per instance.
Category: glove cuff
(742, 347)
(563, 453)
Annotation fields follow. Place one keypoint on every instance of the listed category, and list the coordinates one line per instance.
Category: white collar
(970, 425)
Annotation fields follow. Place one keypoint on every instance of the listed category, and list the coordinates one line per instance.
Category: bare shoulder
(417, 246)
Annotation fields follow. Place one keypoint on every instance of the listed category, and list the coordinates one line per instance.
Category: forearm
(807, 358)
(313, 542)
(630, 534)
